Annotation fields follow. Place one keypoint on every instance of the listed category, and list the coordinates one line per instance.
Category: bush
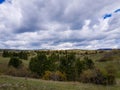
(97, 77)
(111, 72)
(111, 79)
(15, 62)
(5, 54)
(56, 76)
(47, 75)
(21, 72)
(86, 76)
(88, 63)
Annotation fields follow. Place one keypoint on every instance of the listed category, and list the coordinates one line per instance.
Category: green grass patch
(15, 83)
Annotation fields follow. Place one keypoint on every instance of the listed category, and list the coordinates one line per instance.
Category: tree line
(21, 54)
(63, 66)
(68, 67)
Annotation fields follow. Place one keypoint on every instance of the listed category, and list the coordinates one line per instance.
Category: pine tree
(40, 64)
(15, 62)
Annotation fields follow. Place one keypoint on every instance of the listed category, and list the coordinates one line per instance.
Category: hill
(17, 83)
(101, 59)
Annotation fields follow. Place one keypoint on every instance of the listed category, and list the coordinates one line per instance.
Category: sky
(59, 24)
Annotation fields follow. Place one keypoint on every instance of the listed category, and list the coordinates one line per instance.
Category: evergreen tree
(15, 62)
(88, 63)
(67, 66)
(79, 67)
(23, 55)
(40, 64)
(5, 53)
(52, 59)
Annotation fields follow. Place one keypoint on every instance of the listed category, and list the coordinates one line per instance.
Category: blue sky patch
(107, 16)
(1, 1)
(118, 10)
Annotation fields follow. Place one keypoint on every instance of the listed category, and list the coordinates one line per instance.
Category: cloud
(59, 24)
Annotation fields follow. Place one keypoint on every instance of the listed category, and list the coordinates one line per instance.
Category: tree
(79, 67)
(88, 63)
(23, 55)
(5, 53)
(52, 59)
(15, 62)
(39, 64)
(67, 66)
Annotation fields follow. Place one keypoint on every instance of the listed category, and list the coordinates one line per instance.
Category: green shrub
(20, 72)
(111, 72)
(5, 53)
(15, 62)
(88, 63)
(87, 76)
(111, 79)
(96, 76)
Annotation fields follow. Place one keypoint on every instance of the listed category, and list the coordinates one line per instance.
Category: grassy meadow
(23, 83)
(17, 83)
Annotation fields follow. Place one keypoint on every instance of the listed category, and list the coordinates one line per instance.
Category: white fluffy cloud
(59, 24)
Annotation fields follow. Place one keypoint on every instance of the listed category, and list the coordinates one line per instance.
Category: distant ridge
(109, 49)
(57, 49)
(105, 49)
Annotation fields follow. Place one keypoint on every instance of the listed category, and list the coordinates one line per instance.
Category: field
(17, 83)
(23, 83)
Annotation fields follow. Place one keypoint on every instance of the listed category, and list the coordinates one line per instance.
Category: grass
(3, 64)
(115, 64)
(4, 60)
(16, 83)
